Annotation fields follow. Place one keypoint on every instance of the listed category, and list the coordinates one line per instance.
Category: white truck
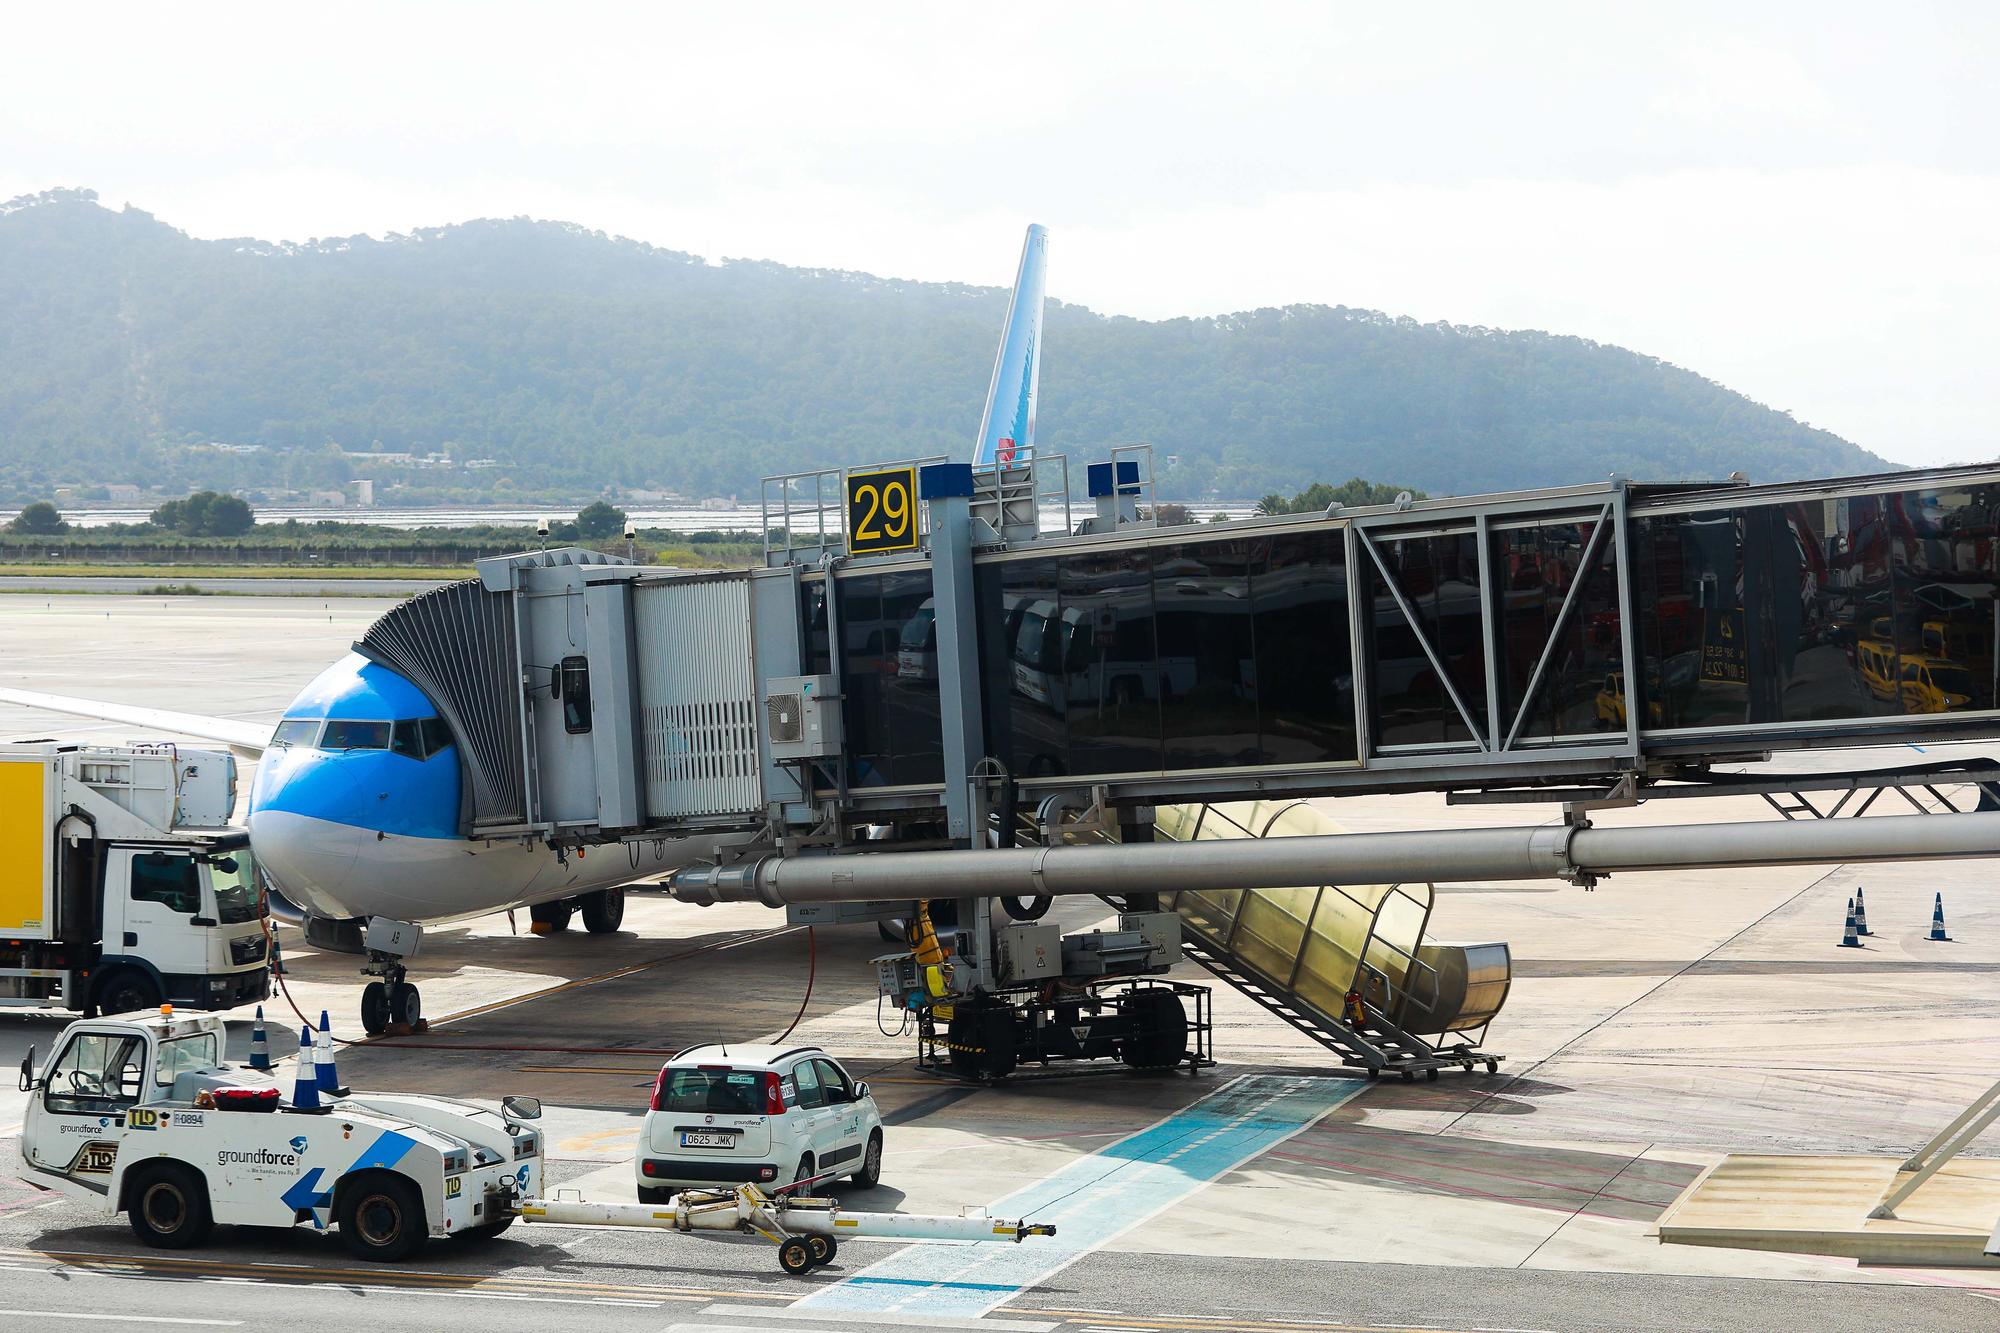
(123, 883)
(141, 1116)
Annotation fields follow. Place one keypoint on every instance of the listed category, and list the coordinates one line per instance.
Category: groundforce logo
(261, 1157)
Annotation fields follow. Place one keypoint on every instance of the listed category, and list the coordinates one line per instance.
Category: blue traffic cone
(1937, 920)
(1860, 914)
(305, 1084)
(1847, 937)
(260, 1046)
(329, 1077)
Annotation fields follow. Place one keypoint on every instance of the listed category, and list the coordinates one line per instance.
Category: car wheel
(806, 1169)
(169, 1207)
(869, 1174)
(381, 1217)
(654, 1194)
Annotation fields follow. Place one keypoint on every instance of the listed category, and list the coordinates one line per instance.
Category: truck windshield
(179, 1055)
(234, 879)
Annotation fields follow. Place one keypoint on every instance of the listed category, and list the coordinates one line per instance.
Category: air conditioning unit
(801, 717)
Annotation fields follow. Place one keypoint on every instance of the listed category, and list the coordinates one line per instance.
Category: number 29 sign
(882, 511)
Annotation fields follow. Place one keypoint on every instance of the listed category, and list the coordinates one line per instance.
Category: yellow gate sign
(882, 511)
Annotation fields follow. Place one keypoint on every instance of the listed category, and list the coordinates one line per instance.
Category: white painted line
(793, 1315)
(123, 1318)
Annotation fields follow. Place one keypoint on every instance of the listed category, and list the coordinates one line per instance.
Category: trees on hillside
(206, 514)
(39, 519)
(598, 521)
(1350, 494)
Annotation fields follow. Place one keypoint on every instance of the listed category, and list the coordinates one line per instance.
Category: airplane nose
(311, 858)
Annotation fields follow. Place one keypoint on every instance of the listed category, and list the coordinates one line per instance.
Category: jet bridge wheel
(1159, 1025)
(982, 1042)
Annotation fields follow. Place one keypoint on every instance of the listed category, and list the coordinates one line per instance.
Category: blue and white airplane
(355, 806)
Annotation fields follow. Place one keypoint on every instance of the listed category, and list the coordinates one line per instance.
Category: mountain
(580, 360)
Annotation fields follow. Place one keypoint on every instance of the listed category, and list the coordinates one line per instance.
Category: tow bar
(807, 1231)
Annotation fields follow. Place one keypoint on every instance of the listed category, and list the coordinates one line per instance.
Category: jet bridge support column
(947, 489)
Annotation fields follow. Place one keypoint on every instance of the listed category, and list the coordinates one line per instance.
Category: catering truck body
(122, 882)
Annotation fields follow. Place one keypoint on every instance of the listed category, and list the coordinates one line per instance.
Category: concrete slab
(1820, 1205)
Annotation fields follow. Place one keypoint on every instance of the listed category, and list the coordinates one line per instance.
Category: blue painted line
(1093, 1200)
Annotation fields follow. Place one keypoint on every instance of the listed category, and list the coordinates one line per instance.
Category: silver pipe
(1550, 851)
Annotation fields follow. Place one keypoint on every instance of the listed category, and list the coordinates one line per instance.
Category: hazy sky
(1799, 200)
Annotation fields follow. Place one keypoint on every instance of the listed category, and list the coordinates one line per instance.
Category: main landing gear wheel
(603, 911)
(406, 1006)
(375, 1016)
(550, 918)
(823, 1248)
(795, 1256)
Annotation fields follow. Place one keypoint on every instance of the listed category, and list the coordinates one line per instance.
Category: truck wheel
(550, 918)
(168, 1207)
(375, 1008)
(870, 1173)
(603, 911)
(1158, 1037)
(406, 1005)
(381, 1217)
(125, 989)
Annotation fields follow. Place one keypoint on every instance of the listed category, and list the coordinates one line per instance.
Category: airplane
(354, 811)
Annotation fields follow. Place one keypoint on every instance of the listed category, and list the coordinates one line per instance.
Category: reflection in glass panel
(1208, 659)
(908, 678)
(1027, 717)
(1864, 606)
(1110, 676)
(1304, 677)
(858, 612)
(1439, 578)
(1582, 686)
(1271, 927)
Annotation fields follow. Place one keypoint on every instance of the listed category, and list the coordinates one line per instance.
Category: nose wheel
(391, 1002)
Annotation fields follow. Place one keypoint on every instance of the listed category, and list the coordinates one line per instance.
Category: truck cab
(181, 923)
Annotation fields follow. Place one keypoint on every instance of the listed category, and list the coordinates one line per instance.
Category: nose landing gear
(391, 1003)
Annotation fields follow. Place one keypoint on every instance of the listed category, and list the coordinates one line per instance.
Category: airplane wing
(249, 738)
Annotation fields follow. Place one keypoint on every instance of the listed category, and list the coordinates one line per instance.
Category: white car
(724, 1114)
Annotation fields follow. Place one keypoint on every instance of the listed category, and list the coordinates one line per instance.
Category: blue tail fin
(1008, 427)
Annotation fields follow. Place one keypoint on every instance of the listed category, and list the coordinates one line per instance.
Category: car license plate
(707, 1138)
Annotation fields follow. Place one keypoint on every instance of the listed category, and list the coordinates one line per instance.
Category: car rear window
(728, 1091)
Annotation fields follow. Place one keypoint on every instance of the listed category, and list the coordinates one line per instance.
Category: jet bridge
(1596, 644)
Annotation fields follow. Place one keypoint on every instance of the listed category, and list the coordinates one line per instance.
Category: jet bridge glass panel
(1824, 609)
(1558, 614)
(888, 674)
(1428, 646)
(1173, 656)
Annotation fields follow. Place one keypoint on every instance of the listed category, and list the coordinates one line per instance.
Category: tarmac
(1656, 1024)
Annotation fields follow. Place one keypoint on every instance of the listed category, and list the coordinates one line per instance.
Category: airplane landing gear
(390, 1001)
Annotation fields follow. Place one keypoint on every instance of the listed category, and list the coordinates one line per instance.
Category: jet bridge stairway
(1346, 966)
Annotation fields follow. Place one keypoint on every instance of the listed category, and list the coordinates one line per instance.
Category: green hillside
(580, 360)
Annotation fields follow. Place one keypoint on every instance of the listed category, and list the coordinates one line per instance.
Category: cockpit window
(296, 731)
(437, 736)
(341, 735)
(408, 740)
